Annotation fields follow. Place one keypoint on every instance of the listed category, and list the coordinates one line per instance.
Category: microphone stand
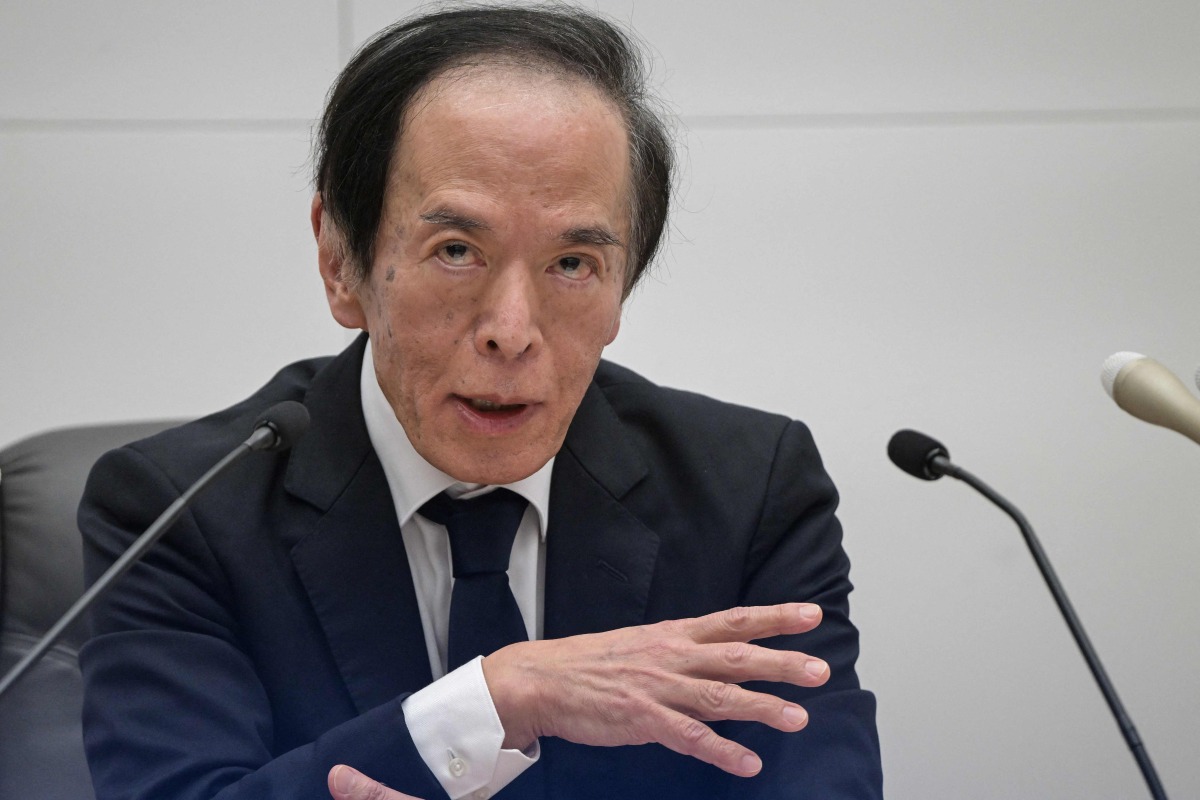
(943, 465)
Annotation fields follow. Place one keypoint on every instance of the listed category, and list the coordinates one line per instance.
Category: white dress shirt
(453, 721)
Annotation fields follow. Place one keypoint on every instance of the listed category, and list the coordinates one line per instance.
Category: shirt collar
(411, 478)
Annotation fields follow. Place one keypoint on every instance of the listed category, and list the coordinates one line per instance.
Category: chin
(491, 468)
(491, 476)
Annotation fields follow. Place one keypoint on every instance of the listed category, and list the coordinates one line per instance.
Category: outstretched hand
(347, 783)
(657, 683)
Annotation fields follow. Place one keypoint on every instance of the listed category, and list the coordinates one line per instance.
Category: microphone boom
(925, 458)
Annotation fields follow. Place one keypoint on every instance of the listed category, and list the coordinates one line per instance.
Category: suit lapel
(352, 560)
(599, 556)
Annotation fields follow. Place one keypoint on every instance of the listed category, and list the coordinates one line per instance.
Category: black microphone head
(287, 420)
(913, 452)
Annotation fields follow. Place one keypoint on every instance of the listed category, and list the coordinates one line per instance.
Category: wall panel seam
(934, 119)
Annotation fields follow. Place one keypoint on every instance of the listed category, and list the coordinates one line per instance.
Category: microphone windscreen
(289, 421)
(1112, 367)
(913, 452)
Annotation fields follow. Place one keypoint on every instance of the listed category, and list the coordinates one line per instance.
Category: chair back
(41, 575)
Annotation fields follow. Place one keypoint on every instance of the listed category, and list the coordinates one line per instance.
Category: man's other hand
(346, 783)
(657, 683)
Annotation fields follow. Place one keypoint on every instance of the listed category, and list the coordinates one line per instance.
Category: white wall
(929, 214)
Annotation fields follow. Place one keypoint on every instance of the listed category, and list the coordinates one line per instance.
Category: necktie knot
(481, 529)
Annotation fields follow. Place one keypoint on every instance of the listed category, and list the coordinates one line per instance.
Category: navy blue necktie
(483, 612)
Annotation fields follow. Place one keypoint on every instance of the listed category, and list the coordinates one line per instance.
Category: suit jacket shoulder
(188, 450)
(698, 461)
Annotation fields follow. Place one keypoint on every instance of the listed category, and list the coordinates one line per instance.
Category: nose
(507, 325)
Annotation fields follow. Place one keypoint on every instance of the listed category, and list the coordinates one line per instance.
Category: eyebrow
(600, 237)
(452, 220)
(597, 236)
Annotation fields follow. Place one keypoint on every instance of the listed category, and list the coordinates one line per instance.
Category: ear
(332, 260)
(616, 326)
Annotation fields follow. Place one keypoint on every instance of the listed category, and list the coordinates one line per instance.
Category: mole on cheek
(391, 274)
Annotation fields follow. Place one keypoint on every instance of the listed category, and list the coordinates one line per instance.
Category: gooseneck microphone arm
(924, 457)
(277, 429)
(1124, 722)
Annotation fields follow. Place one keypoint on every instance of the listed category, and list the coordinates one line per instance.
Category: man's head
(506, 231)
(365, 110)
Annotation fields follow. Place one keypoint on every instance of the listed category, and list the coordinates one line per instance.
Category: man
(491, 184)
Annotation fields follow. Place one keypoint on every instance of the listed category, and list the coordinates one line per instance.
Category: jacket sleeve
(173, 706)
(797, 555)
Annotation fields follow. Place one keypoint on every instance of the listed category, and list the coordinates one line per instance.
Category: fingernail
(816, 668)
(344, 779)
(809, 612)
(795, 715)
(751, 764)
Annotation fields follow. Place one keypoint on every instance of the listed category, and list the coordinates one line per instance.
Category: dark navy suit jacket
(274, 632)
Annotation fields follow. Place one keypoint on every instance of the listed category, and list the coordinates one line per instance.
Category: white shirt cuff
(455, 727)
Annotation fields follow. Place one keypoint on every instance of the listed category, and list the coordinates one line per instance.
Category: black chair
(41, 575)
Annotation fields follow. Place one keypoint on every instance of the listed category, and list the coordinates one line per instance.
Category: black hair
(366, 106)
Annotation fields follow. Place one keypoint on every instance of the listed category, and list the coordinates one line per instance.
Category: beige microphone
(1151, 392)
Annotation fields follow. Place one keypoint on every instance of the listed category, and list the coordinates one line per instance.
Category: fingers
(736, 662)
(680, 724)
(714, 700)
(691, 737)
(347, 783)
(753, 622)
(729, 657)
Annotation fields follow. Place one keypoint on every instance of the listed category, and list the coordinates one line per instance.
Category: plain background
(940, 215)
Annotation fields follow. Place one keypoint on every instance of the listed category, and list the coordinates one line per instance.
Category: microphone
(1151, 392)
(278, 428)
(919, 455)
(926, 458)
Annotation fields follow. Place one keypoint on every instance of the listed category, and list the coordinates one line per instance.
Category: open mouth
(490, 409)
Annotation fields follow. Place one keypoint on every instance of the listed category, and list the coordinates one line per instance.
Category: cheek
(381, 324)
(414, 330)
(582, 330)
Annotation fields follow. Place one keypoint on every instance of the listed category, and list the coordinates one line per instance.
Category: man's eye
(457, 253)
(574, 267)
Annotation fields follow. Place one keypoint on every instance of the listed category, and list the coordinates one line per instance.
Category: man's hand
(346, 783)
(657, 683)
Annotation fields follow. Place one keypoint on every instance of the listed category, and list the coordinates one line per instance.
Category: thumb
(347, 783)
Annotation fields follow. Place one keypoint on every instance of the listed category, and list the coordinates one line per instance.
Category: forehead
(531, 83)
(516, 128)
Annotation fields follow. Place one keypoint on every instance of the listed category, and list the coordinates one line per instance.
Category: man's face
(499, 266)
